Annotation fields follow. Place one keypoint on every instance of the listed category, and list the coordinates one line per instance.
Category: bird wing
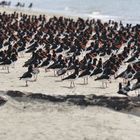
(26, 75)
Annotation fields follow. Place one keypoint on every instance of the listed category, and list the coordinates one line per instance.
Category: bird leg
(102, 84)
(67, 73)
(8, 69)
(26, 83)
(13, 65)
(35, 77)
(54, 73)
(109, 80)
(46, 70)
(62, 76)
(138, 92)
(73, 84)
(22, 55)
(123, 81)
(84, 81)
(115, 75)
(106, 84)
(3, 67)
(87, 80)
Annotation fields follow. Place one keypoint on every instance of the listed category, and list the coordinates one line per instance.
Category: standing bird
(124, 90)
(27, 75)
(46, 63)
(105, 76)
(86, 73)
(73, 76)
(136, 86)
(35, 72)
(6, 63)
(30, 5)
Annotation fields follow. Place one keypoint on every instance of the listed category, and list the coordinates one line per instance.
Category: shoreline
(35, 12)
(55, 13)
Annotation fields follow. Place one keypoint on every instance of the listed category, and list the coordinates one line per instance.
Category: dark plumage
(27, 75)
(6, 63)
(86, 73)
(72, 77)
(124, 90)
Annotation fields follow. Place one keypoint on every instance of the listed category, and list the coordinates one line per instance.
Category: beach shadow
(50, 76)
(23, 86)
(100, 87)
(82, 84)
(4, 72)
(58, 80)
(67, 87)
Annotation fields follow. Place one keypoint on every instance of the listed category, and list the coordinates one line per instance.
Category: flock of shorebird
(72, 48)
(19, 4)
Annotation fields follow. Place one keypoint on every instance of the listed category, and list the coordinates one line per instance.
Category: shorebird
(13, 59)
(35, 72)
(98, 68)
(133, 58)
(124, 90)
(6, 64)
(126, 74)
(20, 50)
(46, 63)
(105, 76)
(58, 64)
(73, 77)
(33, 47)
(30, 5)
(86, 73)
(136, 86)
(27, 75)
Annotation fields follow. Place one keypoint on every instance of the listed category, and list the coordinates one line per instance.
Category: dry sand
(48, 84)
(40, 121)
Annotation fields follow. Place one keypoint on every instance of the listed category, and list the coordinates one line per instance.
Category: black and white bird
(126, 74)
(61, 72)
(27, 76)
(73, 77)
(105, 77)
(46, 63)
(58, 64)
(6, 64)
(35, 72)
(86, 73)
(124, 90)
(136, 86)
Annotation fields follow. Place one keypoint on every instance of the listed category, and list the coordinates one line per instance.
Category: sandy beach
(37, 120)
(57, 87)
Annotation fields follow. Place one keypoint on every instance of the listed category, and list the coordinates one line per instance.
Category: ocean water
(124, 10)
